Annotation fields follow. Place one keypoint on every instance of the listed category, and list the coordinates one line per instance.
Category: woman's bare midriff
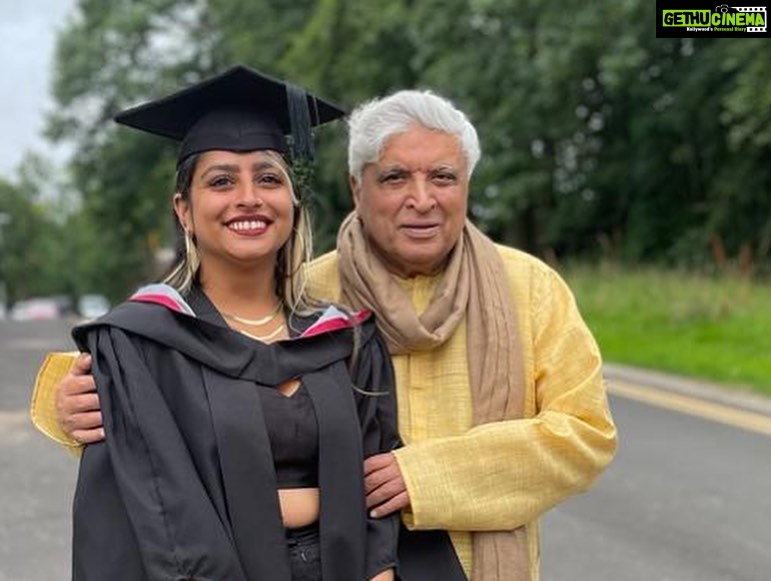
(299, 506)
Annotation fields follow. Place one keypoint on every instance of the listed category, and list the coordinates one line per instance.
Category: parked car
(92, 306)
(66, 305)
(36, 309)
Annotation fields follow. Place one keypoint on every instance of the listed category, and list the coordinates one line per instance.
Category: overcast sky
(27, 35)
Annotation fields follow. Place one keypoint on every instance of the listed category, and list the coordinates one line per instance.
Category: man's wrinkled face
(412, 202)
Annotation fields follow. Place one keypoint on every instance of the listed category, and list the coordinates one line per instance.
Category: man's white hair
(373, 123)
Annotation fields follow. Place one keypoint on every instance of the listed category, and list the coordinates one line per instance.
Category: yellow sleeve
(501, 475)
(43, 405)
(324, 278)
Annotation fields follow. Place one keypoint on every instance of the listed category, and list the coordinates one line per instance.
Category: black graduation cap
(238, 110)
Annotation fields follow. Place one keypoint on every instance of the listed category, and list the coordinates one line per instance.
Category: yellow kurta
(496, 476)
(501, 475)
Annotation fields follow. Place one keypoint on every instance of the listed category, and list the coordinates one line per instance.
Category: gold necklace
(264, 338)
(255, 322)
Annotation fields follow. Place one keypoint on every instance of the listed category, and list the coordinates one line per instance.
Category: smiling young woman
(236, 423)
(240, 208)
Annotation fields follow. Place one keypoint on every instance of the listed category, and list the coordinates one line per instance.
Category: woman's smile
(249, 227)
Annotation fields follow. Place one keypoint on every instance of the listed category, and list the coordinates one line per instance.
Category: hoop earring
(192, 261)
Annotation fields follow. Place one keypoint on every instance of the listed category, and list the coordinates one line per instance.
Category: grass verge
(717, 329)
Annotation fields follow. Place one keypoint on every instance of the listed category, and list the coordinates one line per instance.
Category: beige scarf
(473, 284)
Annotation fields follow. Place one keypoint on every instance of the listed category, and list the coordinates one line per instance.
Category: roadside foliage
(600, 141)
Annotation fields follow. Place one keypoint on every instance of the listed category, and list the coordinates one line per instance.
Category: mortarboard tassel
(300, 120)
(301, 140)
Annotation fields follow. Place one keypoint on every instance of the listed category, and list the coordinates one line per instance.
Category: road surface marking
(693, 406)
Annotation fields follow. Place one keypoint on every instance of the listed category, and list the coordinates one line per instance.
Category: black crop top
(294, 437)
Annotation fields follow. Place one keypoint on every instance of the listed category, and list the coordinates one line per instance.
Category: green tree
(110, 56)
(32, 258)
(597, 136)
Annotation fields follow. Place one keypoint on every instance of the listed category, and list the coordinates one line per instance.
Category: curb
(738, 397)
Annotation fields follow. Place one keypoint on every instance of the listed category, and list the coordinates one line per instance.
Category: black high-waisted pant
(304, 553)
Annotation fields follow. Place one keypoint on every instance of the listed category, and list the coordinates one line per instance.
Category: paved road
(37, 478)
(687, 499)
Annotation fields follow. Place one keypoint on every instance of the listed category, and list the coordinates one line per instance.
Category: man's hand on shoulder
(77, 403)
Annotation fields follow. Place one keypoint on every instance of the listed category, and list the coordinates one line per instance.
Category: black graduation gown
(184, 487)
